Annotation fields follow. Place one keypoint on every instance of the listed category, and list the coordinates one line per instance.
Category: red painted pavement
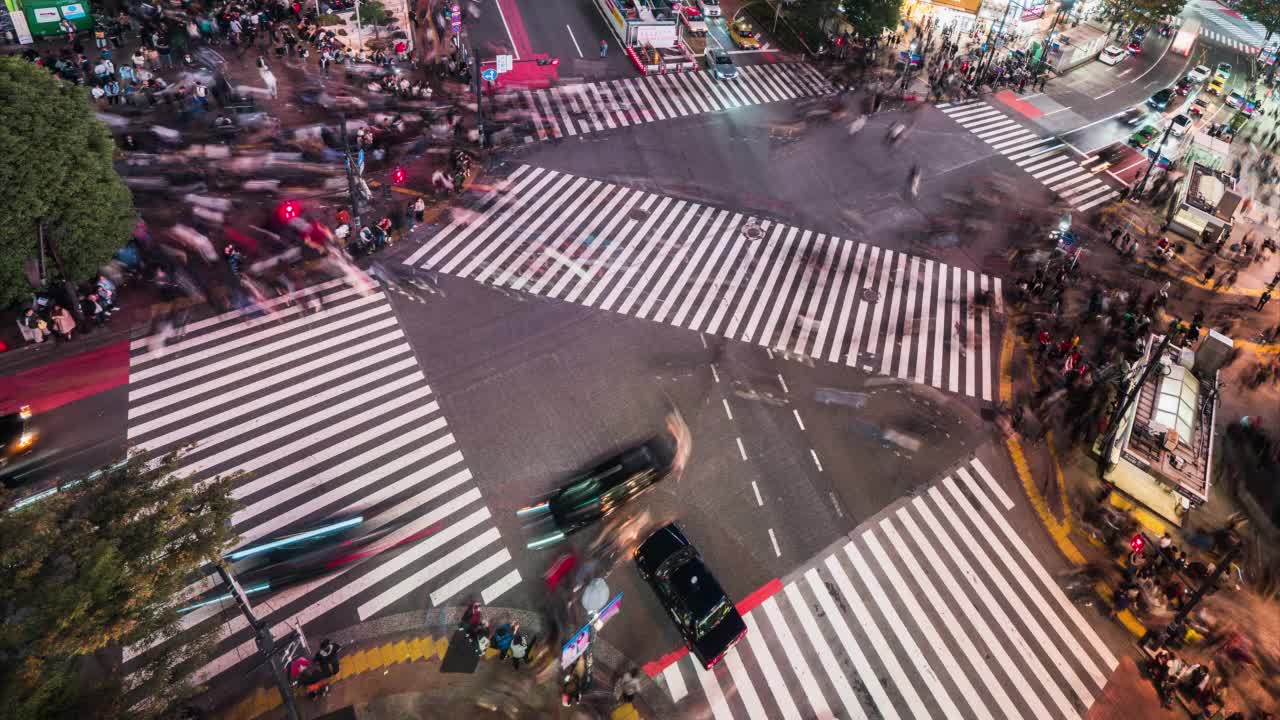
(515, 25)
(64, 381)
(745, 605)
(1010, 98)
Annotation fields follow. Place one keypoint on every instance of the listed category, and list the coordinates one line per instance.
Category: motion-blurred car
(742, 35)
(1180, 124)
(720, 63)
(1198, 108)
(1223, 71)
(1217, 85)
(1235, 100)
(710, 8)
(17, 435)
(703, 613)
(599, 492)
(1143, 137)
(1133, 116)
(1112, 55)
(1134, 46)
(1161, 99)
(694, 22)
(1199, 73)
(1183, 88)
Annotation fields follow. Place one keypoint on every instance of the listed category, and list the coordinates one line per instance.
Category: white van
(710, 8)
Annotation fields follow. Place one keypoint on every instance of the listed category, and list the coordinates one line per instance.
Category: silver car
(720, 64)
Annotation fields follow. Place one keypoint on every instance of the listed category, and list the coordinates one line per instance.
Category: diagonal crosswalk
(1048, 160)
(938, 609)
(330, 414)
(583, 108)
(725, 273)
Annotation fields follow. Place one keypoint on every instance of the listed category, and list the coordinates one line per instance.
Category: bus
(1186, 37)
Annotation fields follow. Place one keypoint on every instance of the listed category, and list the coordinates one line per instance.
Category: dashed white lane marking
(756, 489)
(774, 539)
(742, 450)
(783, 382)
(816, 461)
(715, 375)
(727, 411)
(798, 420)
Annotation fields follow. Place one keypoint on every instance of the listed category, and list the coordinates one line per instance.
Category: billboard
(969, 6)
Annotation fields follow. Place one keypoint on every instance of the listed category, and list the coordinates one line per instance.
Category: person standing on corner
(327, 657)
(604, 48)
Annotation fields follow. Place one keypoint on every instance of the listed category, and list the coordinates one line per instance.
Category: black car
(17, 435)
(704, 615)
(1161, 99)
(598, 493)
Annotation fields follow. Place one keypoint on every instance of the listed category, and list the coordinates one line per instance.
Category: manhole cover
(870, 295)
(753, 232)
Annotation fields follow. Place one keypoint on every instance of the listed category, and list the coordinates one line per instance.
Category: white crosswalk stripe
(1231, 41)
(333, 417)
(582, 108)
(724, 273)
(1048, 160)
(871, 615)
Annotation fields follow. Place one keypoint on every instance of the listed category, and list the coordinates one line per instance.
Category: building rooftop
(1212, 191)
(1172, 429)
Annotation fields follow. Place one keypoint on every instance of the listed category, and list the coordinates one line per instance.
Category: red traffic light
(1138, 543)
(397, 176)
(288, 210)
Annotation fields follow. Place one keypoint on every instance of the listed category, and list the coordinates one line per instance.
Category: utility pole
(1137, 189)
(359, 30)
(352, 189)
(1175, 625)
(478, 84)
(266, 643)
(1153, 362)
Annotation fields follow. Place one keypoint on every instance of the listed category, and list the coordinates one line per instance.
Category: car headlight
(24, 412)
(25, 440)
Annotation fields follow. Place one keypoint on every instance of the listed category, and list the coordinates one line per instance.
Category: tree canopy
(1142, 12)
(55, 168)
(872, 17)
(95, 568)
(1263, 12)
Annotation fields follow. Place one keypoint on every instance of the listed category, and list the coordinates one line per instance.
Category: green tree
(55, 170)
(872, 17)
(1142, 12)
(1263, 12)
(373, 13)
(95, 568)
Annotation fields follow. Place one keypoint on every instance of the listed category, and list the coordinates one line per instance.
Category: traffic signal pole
(352, 190)
(262, 636)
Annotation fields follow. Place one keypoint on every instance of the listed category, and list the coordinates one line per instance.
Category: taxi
(1217, 85)
(743, 35)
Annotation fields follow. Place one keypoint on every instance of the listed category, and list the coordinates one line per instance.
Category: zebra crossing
(726, 273)
(1229, 40)
(329, 413)
(938, 609)
(583, 108)
(1048, 160)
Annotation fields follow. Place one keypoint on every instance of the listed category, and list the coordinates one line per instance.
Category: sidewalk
(392, 668)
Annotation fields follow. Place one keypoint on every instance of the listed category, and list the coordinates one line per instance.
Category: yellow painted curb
(1057, 530)
(627, 711)
(425, 647)
(1145, 518)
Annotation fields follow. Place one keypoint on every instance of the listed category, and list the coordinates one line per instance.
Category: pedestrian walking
(63, 323)
(520, 646)
(503, 637)
(327, 656)
(93, 310)
(628, 686)
(202, 96)
(419, 209)
(1263, 300)
(604, 48)
(269, 79)
(32, 326)
(1209, 271)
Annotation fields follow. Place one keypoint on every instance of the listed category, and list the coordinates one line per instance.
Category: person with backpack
(327, 657)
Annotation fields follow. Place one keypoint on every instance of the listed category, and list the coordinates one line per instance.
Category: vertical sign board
(581, 640)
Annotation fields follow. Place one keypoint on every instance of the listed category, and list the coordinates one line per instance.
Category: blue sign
(73, 11)
(489, 74)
